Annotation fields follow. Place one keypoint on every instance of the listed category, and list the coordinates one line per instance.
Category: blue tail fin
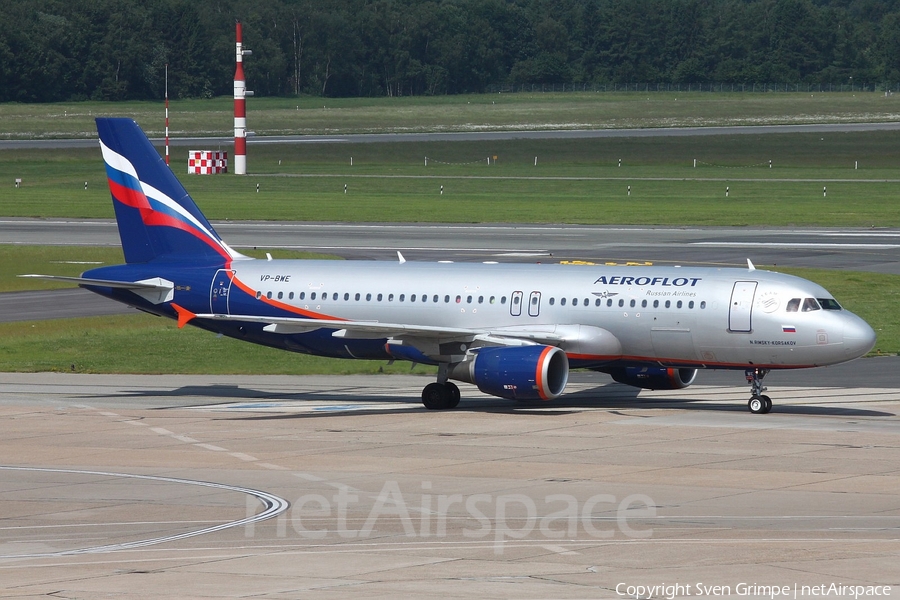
(156, 216)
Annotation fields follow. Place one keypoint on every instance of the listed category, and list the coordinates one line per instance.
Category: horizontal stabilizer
(156, 290)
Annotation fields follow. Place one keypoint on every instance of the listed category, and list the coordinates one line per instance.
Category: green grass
(141, 343)
(484, 112)
(575, 181)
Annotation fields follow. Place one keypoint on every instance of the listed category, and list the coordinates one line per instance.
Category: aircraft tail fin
(156, 216)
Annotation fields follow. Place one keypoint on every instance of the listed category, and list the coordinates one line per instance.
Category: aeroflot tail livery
(513, 330)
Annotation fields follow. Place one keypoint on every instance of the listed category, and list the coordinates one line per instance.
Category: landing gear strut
(759, 403)
(442, 394)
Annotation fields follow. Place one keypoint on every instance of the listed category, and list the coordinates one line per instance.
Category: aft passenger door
(741, 308)
(219, 291)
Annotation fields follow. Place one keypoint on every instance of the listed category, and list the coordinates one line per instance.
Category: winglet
(184, 315)
(750, 266)
(400, 257)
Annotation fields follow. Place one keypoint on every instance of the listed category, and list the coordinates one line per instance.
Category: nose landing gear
(759, 403)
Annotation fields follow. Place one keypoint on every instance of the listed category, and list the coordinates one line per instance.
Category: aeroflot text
(661, 281)
(678, 590)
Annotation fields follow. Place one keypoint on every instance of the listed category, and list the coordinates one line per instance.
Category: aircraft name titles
(660, 281)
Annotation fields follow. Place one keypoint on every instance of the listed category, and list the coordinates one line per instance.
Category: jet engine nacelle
(516, 372)
(654, 378)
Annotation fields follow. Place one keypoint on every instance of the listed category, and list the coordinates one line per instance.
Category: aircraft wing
(156, 290)
(376, 329)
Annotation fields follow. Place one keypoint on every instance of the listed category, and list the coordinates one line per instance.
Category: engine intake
(654, 378)
(516, 372)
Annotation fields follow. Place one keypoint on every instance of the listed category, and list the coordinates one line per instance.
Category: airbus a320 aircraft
(513, 330)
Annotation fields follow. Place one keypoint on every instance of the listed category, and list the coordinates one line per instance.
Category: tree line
(55, 50)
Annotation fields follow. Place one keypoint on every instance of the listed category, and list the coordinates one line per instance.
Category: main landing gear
(759, 403)
(442, 394)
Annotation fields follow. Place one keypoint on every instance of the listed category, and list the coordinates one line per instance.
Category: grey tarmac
(129, 486)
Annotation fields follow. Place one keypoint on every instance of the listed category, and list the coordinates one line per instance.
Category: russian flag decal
(788, 329)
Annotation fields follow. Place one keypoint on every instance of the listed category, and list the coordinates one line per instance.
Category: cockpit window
(793, 305)
(829, 303)
(810, 304)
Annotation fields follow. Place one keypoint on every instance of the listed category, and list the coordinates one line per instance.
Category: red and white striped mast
(167, 114)
(240, 106)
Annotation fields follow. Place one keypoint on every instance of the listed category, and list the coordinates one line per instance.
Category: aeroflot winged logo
(155, 207)
(651, 281)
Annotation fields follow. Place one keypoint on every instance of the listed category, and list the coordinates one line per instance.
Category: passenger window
(703, 304)
(502, 299)
(810, 304)
(621, 302)
(562, 301)
(552, 301)
(609, 302)
(633, 303)
(793, 305)
(587, 301)
(312, 296)
(390, 297)
(691, 304)
(302, 295)
(291, 296)
(656, 304)
(468, 299)
(668, 303)
(280, 295)
(368, 297)
(597, 302)
(402, 297)
(447, 299)
(435, 298)
(269, 295)
(258, 295)
(356, 297)
(493, 299)
(379, 297)
(643, 304)
(574, 301)
(334, 296)
(480, 299)
(678, 305)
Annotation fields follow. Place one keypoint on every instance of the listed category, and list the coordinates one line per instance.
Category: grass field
(574, 181)
(479, 112)
(577, 181)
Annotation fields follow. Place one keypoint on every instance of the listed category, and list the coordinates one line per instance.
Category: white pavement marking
(274, 506)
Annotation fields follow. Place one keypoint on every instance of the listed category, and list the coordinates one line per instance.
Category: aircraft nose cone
(859, 338)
